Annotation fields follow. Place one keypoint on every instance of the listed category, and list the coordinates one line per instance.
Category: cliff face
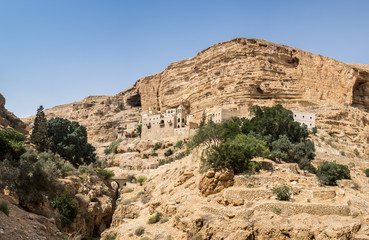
(8, 119)
(246, 71)
(234, 74)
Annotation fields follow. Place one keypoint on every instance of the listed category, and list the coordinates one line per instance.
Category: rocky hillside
(8, 119)
(236, 74)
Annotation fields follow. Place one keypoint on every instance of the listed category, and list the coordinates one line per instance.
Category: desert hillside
(168, 195)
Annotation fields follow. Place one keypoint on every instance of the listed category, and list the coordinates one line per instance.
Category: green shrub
(4, 208)
(139, 231)
(105, 174)
(168, 152)
(314, 130)
(366, 171)
(86, 169)
(236, 153)
(139, 129)
(329, 172)
(283, 193)
(113, 146)
(141, 180)
(121, 105)
(179, 144)
(356, 152)
(111, 236)
(66, 207)
(342, 153)
(156, 218)
(157, 146)
(11, 144)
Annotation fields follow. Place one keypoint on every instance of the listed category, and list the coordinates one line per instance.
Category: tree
(329, 172)
(203, 119)
(69, 140)
(39, 133)
(236, 153)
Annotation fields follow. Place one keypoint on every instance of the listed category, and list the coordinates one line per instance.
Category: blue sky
(54, 52)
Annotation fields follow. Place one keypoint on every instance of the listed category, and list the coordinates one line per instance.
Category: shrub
(366, 171)
(342, 153)
(168, 152)
(314, 130)
(39, 134)
(66, 207)
(139, 129)
(157, 146)
(141, 180)
(156, 218)
(179, 144)
(11, 144)
(113, 146)
(283, 193)
(86, 169)
(4, 208)
(356, 152)
(121, 105)
(329, 172)
(139, 231)
(236, 153)
(111, 237)
(105, 174)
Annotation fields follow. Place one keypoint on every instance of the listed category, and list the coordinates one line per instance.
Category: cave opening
(360, 92)
(134, 100)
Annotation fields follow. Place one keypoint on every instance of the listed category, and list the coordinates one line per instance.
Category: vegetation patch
(66, 207)
(329, 172)
(105, 174)
(156, 218)
(140, 231)
(283, 193)
(4, 208)
(113, 147)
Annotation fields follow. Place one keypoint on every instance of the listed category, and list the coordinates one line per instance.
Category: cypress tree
(39, 135)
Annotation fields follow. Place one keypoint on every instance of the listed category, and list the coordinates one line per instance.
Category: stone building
(174, 124)
(305, 118)
(220, 115)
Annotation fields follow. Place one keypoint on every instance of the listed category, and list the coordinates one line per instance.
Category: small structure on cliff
(305, 118)
(174, 123)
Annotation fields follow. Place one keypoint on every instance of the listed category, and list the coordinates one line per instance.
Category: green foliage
(39, 135)
(156, 218)
(329, 172)
(277, 210)
(283, 193)
(342, 153)
(274, 121)
(30, 178)
(366, 171)
(141, 180)
(4, 208)
(105, 174)
(113, 146)
(356, 152)
(179, 144)
(157, 146)
(236, 153)
(203, 119)
(121, 105)
(314, 130)
(66, 207)
(139, 129)
(111, 237)
(168, 152)
(86, 169)
(140, 231)
(69, 140)
(11, 144)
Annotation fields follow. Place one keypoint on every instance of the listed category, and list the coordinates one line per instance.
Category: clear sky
(54, 52)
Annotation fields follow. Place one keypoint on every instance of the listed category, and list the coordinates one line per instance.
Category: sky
(54, 52)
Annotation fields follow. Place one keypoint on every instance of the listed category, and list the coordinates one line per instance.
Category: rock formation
(234, 74)
(8, 119)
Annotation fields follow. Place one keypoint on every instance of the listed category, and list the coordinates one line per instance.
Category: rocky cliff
(234, 74)
(8, 119)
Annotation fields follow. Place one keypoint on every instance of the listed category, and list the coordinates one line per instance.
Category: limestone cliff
(235, 74)
(8, 119)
